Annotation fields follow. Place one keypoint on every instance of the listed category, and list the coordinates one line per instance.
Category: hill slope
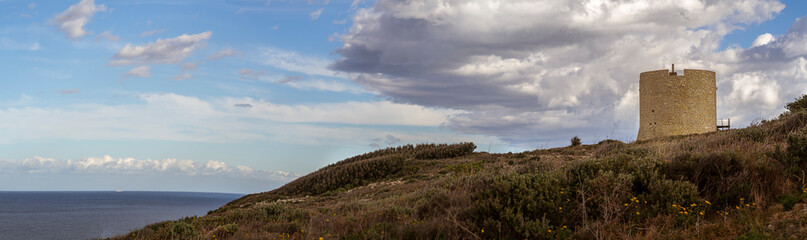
(742, 183)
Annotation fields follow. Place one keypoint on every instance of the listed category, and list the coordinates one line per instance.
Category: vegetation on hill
(735, 184)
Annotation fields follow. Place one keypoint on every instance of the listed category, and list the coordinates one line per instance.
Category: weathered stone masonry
(676, 105)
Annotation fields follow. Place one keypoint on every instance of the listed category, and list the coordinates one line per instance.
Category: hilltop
(734, 184)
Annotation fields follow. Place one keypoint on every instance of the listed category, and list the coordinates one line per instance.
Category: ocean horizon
(96, 214)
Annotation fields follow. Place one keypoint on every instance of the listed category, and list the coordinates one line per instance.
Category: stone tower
(676, 105)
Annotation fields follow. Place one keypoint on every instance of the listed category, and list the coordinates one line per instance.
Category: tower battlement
(672, 104)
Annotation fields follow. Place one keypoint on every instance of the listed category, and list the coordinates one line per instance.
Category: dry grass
(735, 184)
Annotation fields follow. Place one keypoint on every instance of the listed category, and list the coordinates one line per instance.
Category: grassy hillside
(736, 184)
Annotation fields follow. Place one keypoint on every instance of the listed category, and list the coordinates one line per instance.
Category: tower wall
(676, 105)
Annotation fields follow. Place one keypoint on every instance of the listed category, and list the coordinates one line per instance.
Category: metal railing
(724, 123)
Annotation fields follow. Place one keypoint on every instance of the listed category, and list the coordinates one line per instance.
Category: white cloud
(302, 83)
(152, 32)
(131, 166)
(252, 74)
(141, 71)
(315, 14)
(31, 5)
(754, 90)
(324, 2)
(72, 20)
(295, 62)
(359, 113)
(224, 53)
(183, 76)
(23, 100)
(10, 45)
(763, 39)
(545, 70)
(188, 66)
(175, 117)
(107, 35)
(325, 85)
(166, 51)
(70, 91)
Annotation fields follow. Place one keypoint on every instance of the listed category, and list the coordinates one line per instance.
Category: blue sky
(242, 95)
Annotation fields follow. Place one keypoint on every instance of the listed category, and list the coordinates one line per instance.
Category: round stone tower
(676, 105)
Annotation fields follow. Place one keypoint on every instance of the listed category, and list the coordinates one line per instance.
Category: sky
(244, 95)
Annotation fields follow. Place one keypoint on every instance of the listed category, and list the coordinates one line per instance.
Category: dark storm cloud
(531, 70)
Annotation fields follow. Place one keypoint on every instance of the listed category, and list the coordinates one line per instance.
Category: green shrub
(440, 151)
(789, 200)
(610, 141)
(336, 176)
(274, 210)
(799, 104)
(607, 193)
(643, 170)
(281, 212)
(790, 122)
(420, 151)
(214, 220)
(664, 193)
(467, 167)
(638, 152)
(796, 148)
(524, 206)
(720, 176)
(379, 153)
(183, 230)
(366, 168)
(629, 183)
(756, 134)
(725, 177)
(226, 230)
(158, 226)
(243, 215)
(575, 141)
(608, 147)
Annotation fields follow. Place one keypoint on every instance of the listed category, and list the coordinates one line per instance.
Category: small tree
(576, 141)
(797, 148)
(799, 104)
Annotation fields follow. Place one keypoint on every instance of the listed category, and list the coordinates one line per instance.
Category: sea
(93, 215)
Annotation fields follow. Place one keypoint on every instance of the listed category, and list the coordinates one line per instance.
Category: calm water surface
(85, 215)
